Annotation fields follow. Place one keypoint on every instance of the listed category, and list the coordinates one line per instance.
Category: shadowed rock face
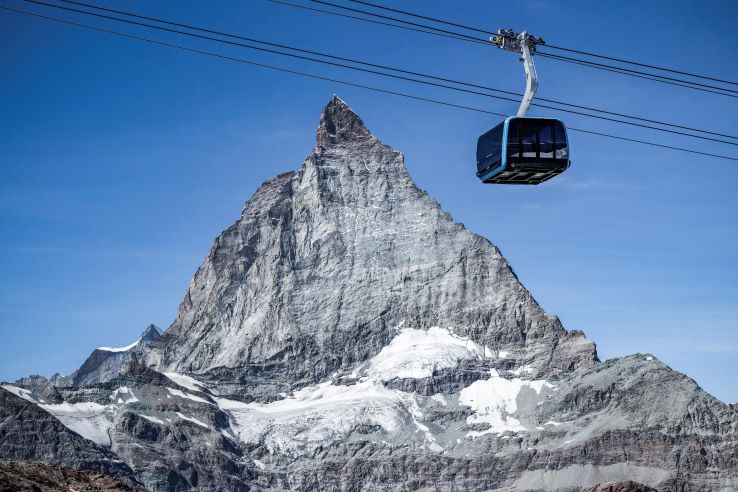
(345, 334)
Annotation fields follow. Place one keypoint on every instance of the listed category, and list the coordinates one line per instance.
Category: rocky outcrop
(18, 476)
(620, 486)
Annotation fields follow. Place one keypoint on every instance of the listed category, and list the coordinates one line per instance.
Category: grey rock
(19, 476)
(28, 433)
(103, 365)
(620, 486)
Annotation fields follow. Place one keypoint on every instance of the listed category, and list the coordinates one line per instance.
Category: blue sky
(121, 161)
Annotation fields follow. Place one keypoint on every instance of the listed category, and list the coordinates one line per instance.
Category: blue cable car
(523, 150)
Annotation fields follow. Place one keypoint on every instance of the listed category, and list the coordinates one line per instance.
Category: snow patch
(320, 415)
(260, 464)
(522, 370)
(440, 399)
(187, 396)
(494, 402)
(153, 419)
(123, 395)
(418, 354)
(120, 349)
(185, 381)
(21, 392)
(193, 420)
(90, 420)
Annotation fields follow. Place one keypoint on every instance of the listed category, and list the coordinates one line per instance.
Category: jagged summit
(339, 123)
(152, 332)
(104, 363)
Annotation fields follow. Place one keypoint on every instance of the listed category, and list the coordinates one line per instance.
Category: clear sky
(121, 161)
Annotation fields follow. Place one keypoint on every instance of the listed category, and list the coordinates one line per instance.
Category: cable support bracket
(524, 44)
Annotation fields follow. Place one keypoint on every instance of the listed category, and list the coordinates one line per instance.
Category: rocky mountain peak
(326, 265)
(152, 332)
(339, 124)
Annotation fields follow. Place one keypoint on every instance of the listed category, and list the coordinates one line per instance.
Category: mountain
(325, 266)
(346, 334)
(106, 362)
(103, 364)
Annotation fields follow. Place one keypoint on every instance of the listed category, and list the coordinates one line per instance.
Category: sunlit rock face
(346, 334)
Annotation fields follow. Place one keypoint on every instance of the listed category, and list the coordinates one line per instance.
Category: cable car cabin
(523, 151)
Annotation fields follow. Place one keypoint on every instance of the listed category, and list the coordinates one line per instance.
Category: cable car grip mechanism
(524, 44)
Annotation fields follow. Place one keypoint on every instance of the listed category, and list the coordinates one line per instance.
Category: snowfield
(90, 420)
(494, 402)
(318, 416)
(418, 354)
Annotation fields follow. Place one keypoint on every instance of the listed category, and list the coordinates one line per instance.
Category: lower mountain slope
(346, 334)
(18, 476)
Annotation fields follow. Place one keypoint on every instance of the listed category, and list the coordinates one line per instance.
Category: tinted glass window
(546, 139)
(489, 147)
(562, 145)
(513, 145)
(529, 137)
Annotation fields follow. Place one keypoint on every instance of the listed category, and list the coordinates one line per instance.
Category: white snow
(419, 353)
(319, 416)
(494, 402)
(90, 420)
(21, 392)
(503, 354)
(120, 349)
(153, 419)
(439, 398)
(260, 464)
(193, 420)
(123, 396)
(435, 447)
(523, 370)
(649, 358)
(187, 396)
(185, 381)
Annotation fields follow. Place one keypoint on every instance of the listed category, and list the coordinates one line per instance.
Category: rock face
(346, 334)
